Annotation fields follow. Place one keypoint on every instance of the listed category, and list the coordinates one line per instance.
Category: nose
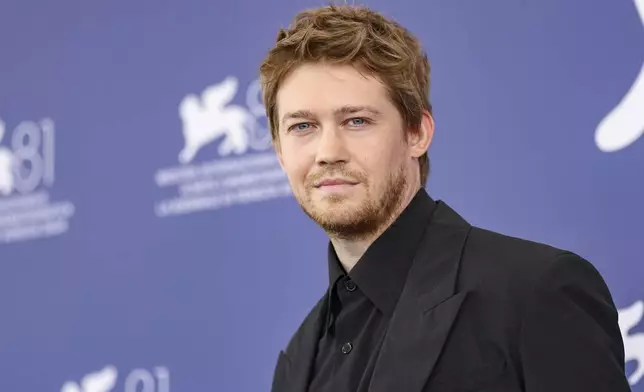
(331, 147)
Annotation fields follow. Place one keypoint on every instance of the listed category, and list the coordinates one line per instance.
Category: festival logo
(243, 170)
(27, 162)
(625, 123)
(106, 379)
(103, 380)
(629, 318)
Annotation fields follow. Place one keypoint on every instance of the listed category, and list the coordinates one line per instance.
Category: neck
(349, 251)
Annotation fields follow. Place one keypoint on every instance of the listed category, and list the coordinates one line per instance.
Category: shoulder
(507, 266)
(502, 246)
(515, 258)
(489, 257)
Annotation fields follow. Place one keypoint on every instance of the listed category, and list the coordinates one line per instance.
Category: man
(419, 300)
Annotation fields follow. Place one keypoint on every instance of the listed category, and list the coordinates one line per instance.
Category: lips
(334, 181)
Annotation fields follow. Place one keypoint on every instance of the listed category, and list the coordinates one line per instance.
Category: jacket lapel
(426, 309)
(294, 366)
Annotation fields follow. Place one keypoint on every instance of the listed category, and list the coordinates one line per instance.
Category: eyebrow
(344, 110)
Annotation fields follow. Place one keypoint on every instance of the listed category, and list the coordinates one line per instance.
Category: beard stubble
(363, 220)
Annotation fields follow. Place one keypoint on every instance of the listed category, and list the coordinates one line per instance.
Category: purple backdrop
(148, 242)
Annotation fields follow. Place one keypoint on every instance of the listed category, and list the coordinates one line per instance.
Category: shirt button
(350, 285)
(346, 348)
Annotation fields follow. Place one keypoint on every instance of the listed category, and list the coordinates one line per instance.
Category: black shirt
(362, 302)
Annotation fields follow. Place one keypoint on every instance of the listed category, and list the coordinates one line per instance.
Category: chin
(340, 211)
(332, 205)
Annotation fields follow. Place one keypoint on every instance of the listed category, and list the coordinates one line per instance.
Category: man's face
(342, 145)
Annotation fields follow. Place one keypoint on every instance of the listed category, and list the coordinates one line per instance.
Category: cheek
(296, 165)
(376, 162)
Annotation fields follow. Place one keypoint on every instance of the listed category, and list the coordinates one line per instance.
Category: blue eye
(358, 121)
(300, 127)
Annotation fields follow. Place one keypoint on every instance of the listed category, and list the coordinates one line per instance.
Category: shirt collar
(381, 272)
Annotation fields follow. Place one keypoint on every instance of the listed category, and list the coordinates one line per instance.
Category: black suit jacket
(488, 313)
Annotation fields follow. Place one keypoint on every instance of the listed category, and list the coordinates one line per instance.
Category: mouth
(333, 183)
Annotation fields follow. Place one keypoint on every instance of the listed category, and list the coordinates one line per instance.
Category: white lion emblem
(206, 119)
(99, 381)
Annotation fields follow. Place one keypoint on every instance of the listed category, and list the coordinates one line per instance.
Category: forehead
(321, 88)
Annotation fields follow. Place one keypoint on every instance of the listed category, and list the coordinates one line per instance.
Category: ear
(420, 140)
